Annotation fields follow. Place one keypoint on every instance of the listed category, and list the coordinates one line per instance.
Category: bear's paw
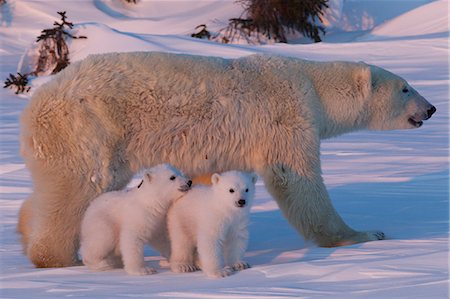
(241, 265)
(227, 271)
(141, 271)
(376, 235)
(183, 268)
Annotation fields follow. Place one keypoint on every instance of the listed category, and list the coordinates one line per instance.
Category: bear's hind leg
(53, 242)
(24, 225)
(58, 205)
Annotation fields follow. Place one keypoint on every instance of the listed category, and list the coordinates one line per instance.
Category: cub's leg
(182, 247)
(235, 247)
(98, 243)
(132, 250)
(210, 254)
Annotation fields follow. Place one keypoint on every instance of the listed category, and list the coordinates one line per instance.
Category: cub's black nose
(189, 183)
(241, 202)
(431, 111)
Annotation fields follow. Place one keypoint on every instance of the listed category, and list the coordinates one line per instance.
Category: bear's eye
(231, 190)
(172, 178)
(246, 190)
(405, 90)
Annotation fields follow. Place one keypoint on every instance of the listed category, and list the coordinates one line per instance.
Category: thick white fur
(104, 118)
(118, 224)
(208, 220)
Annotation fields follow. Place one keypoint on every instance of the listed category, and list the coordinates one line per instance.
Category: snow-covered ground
(393, 181)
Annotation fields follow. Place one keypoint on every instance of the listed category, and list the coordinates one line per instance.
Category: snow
(394, 181)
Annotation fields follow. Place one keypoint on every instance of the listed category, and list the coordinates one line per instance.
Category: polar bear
(102, 119)
(117, 224)
(212, 221)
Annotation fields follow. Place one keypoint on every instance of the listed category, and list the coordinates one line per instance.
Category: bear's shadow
(415, 209)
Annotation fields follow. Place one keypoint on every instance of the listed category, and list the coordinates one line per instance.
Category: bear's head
(165, 181)
(394, 104)
(235, 189)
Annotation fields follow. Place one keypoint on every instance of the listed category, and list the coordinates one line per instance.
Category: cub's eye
(405, 90)
(231, 190)
(246, 190)
(172, 178)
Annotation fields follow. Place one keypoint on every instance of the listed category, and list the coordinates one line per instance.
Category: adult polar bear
(103, 119)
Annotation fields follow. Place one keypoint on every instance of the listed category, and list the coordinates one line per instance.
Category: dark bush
(276, 18)
(54, 53)
(19, 82)
(264, 20)
(239, 29)
(202, 32)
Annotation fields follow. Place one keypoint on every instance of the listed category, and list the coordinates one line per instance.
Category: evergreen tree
(275, 18)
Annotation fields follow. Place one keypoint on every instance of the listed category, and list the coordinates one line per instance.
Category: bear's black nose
(189, 183)
(431, 111)
(241, 202)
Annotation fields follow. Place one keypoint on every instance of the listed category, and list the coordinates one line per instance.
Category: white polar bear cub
(118, 224)
(212, 221)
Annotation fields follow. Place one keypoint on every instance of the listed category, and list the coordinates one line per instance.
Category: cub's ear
(140, 184)
(215, 178)
(362, 77)
(254, 178)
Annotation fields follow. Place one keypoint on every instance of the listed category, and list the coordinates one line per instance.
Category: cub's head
(234, 189)
(394, 104)
(165, 180)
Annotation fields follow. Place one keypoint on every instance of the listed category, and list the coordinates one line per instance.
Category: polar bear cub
(118, 224)
(212, 221)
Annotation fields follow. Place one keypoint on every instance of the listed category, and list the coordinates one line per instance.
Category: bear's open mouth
(415, 123)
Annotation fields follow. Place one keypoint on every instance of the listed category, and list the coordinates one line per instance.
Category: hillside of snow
(396, 181)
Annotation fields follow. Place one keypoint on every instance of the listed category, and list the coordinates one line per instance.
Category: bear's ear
(362, 76)
(254, 178)
(215, 178)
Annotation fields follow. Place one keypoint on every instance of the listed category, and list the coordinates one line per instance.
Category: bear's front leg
(132, 251)
(235, 246)
(307, 206)
(182, 247)
(211, 257)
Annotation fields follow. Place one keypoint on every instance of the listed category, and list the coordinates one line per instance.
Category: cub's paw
(102, 265)
(164, 263)
(241, 265)
(141, 271)
(227, 271)
(183, 268)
